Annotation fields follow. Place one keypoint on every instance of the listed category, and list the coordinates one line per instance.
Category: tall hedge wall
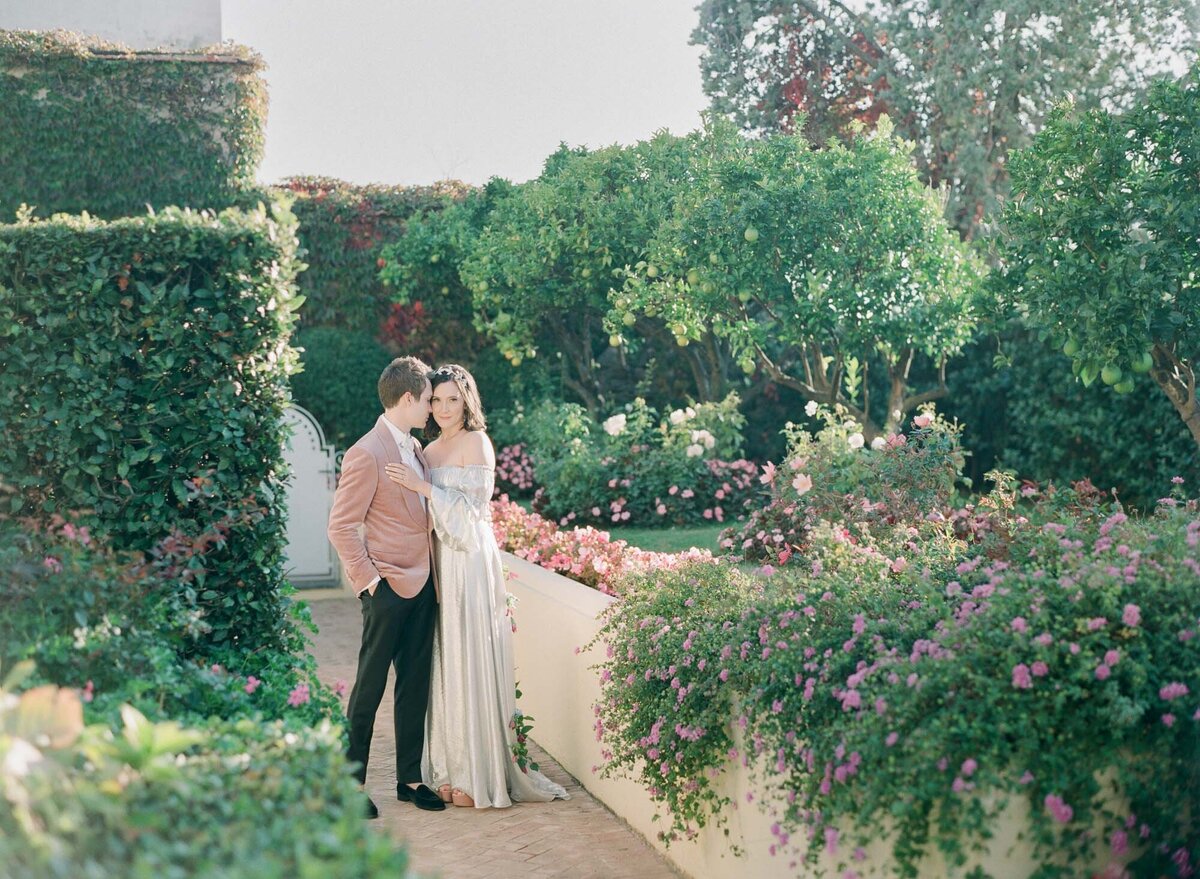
(343, 227)
(144, 377)
(87, 126)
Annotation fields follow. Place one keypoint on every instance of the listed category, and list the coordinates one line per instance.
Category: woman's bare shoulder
(475, 447)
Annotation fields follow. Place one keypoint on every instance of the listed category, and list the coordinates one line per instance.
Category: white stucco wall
(558, 685)
(139, 24)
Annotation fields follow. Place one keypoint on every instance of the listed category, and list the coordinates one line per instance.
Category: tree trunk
(1178, 381)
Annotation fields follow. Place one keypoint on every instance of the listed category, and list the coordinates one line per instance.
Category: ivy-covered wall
(89, 126)
(343, 228)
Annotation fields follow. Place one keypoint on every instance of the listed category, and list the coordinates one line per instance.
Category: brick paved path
(575, 838)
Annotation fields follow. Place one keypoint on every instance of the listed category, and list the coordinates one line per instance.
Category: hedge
(145, 379)
(88, 126)
(343, 228)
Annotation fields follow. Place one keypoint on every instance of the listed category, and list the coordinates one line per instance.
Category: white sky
(413, 91)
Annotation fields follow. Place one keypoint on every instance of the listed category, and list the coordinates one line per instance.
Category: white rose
(615, 425)
(855, 440)
(689, 412)
(694, 450)
(811, 408)
(878, 443)
(709, 440)
(677, 417)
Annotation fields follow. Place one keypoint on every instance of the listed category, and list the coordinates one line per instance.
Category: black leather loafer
(421, 797)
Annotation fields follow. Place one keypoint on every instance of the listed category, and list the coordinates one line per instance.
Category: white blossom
(855, 440)
(811, 408)
(615, 425)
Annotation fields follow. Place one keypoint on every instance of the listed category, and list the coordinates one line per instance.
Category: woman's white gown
(468, 740)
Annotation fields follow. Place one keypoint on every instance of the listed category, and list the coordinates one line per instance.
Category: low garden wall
(555, 618)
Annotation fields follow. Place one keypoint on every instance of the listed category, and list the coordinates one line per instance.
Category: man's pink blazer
(380, 529)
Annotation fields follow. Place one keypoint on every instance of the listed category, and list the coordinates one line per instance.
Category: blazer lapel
(419, 452)
(391, 452)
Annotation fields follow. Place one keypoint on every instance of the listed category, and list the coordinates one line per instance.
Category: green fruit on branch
(652, 271)
(1111, 374)
(693, 277)
(751, 234)
(1144, 363)
(1124, 387)
(1071, 347)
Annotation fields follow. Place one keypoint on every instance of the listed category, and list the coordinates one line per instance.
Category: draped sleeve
(462, 510)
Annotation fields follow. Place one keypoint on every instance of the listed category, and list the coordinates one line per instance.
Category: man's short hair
(404, 375)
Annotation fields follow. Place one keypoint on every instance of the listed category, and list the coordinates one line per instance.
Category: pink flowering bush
(514, 471)
(636, 468)
(130, 628)
(835, 478)
(1042, 645)
(584, 554)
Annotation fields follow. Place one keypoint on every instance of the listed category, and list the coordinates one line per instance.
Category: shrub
(835, 477)
(1039, 646)
(87, 126)
(514, 471)
(636, 468)
(130, 628)
(240, 799)
(146, 366)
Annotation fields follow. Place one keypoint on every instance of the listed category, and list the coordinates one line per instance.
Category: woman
(469, 743)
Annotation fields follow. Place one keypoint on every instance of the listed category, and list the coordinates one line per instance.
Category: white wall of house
(139, 24)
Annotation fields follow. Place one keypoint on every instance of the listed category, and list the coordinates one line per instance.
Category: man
(382, 533)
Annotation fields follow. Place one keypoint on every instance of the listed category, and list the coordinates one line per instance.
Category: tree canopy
(1102, 241)
(966, 80)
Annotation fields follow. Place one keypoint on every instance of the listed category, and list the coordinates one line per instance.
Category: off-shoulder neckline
(460, 466)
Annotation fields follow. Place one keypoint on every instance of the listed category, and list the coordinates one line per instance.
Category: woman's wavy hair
(472, 406)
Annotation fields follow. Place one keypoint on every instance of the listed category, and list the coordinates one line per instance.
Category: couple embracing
(413, 529)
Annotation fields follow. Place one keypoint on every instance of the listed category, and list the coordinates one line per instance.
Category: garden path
(576, 838)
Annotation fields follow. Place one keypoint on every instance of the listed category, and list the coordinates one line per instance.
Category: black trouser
(396, 631)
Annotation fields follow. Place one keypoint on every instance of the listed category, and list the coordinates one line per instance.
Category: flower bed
(909, 670)
(586, 555)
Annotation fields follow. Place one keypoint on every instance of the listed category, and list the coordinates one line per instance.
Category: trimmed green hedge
(343, 228)
(145, 378)
(88, 126)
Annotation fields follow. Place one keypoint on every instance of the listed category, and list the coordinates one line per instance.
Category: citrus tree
(815, 265)
(550, 253)
(1102, 242)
